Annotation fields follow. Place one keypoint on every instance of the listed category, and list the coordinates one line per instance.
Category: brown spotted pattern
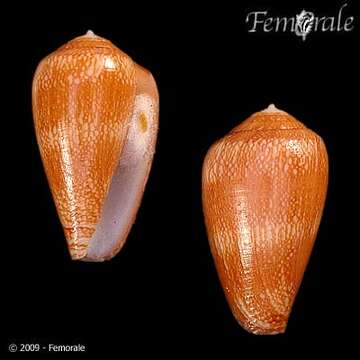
(264, 188)
(83, 95)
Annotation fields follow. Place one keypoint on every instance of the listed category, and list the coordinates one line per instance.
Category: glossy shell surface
(92, 106)
(264, 188)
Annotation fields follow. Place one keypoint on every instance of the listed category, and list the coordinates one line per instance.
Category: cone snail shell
(96, 121)
(264, 188)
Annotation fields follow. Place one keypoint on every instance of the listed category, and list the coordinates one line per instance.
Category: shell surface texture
(96, 121)
(264, 187)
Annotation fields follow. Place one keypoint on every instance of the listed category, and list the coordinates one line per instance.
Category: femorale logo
(301, 24)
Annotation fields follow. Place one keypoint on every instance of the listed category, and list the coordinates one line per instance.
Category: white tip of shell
(272, 109)
(90, 33)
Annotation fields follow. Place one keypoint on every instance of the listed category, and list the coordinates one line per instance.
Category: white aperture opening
(128, 182)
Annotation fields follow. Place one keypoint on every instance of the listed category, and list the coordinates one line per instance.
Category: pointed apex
(272, 109)
(90, 33)
(90, 40)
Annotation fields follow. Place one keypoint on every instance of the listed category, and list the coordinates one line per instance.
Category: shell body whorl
(84, 97)
(264, 188)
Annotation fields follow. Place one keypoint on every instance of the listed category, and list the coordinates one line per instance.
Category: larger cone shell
(95, 114)
(264, 187)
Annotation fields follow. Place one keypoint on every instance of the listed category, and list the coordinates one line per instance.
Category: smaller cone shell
(264, 187)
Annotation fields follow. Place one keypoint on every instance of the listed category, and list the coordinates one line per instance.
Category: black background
(162, 291)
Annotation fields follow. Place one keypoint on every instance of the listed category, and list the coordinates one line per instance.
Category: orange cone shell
(264, 188)
(84, 97)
